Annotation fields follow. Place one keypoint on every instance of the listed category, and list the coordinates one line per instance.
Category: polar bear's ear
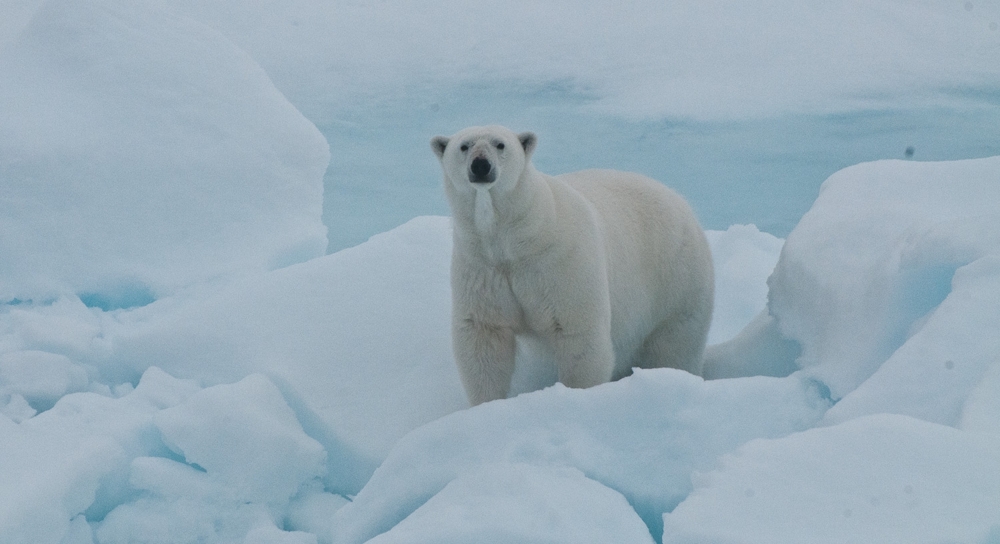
(528, 141)
(438, 144)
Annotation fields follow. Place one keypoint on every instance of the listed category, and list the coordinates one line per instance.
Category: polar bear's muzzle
(481, 171)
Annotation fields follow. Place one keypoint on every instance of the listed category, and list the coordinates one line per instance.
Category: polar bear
(610, 269)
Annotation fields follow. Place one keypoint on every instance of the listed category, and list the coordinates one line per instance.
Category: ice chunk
(881, 478)
(848, 287)
(245, 454)
(935, 371)
(63, 326)
(744, 257)
(180, 504)
(246, 437)
(74, 458)
(891, 286)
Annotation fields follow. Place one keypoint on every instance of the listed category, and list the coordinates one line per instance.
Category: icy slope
(891, 286)
(881, 478)
(142, 152)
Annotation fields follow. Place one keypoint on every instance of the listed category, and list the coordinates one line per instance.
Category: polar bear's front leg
(485, 357)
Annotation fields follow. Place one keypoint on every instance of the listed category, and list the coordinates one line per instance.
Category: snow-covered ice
(39, 377)
(900, 321)
(538, 505)
(641, 437)
(181, 362)
(879, 478)
(242, 457)
(319, 330)
(73, 460)
(143, 153)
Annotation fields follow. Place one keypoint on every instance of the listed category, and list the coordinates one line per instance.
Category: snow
(246, 437)
(40, 378)
(73, 459)
(981, 408)
(318, 330)
(181, 362)
(645, 59)
(143, 153)
(641, 437)
(884, 478)
(880, 319)
(538, 505)
(743, 257)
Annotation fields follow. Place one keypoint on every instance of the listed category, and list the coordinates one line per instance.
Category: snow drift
(891, 286)
(142, 152)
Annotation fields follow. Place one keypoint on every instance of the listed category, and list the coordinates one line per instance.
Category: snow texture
(880, 478)
(647, 58)
(319, 331)
(891, 286)
(181, 363)
(539, 505)
(142, 152)
(642, 437)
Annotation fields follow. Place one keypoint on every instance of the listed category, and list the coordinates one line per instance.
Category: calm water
(766, 172)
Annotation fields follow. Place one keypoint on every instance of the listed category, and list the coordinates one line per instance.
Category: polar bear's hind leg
(676, 343)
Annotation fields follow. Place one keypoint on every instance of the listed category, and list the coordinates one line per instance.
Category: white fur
(611, 269)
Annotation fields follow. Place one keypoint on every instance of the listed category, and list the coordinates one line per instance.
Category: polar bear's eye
(500, 146)
(465, 147)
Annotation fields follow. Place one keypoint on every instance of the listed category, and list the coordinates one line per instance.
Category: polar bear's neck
(484, 216)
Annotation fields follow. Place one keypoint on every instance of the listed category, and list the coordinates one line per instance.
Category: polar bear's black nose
(481, 170)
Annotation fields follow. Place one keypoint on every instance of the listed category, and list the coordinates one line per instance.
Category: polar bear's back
(659, 263)
(643, 221)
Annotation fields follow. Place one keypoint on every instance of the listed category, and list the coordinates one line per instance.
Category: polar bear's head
(484, 157)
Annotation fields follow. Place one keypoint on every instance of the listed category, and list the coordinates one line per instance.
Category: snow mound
(641, 436)
(882, 478)
(142, 152)
(890, 285)
(538, 505)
